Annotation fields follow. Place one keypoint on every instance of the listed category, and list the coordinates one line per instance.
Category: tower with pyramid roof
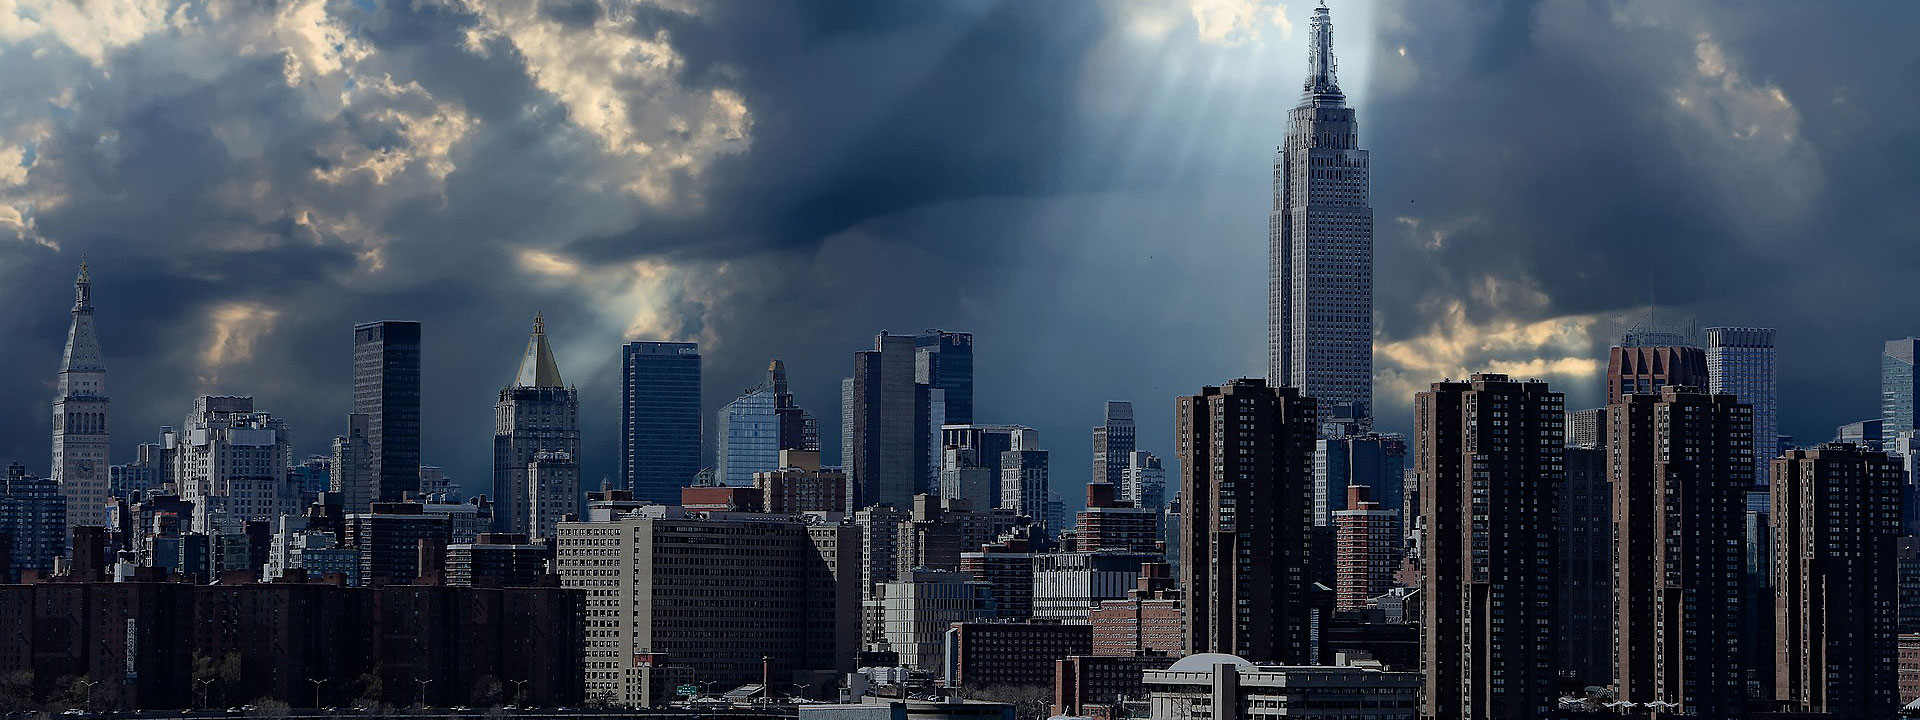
(536, 444)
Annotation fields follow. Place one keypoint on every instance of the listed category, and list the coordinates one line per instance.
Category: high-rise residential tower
(1246, 489)
(80, 412)
(1740, 362)
(659, 419)
(1144, 482)
(1681, 463)
(232, 464)
(1585, 573)
(1490, 454)
(386, 389)
(1320, 245)
(536, 436)
(1899, 386)
(1836, 529)
(1112, 443)
(754, 428)
(1644, 369)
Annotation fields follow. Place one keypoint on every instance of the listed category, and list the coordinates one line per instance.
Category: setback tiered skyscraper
(1681, 463)
(1246, 529)
(1836, 525)
(231, 463)
(536, 436)
(1320, 245)
(386, 389)
(80, 414)
(659, 419)
(754, 428)
(1740, 362)
(1112, 443)
(1490, 455)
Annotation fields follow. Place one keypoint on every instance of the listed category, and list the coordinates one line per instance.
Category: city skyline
(1511, 291)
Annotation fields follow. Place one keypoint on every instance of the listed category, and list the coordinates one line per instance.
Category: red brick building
(1149, 620)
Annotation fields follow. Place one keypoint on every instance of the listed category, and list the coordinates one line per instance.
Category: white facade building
(1213, 686)
(80, 412)
(232, 464)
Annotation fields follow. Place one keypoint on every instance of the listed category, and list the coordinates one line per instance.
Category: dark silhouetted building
(1490, 454)
(389, 537)
(498, 560)
(33, 519)
(659, 418)
(1585, 571)
(386, 389)
(536, 445)
(985, 654)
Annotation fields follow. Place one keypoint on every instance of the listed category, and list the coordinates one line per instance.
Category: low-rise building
(1217, 686)
(987, 654)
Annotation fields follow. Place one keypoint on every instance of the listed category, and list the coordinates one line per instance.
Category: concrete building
(754, 429)
(1320, 246)
(232, 462)
(353, 478)
(1113, 443)
(1213, 686)
(1681, 462)
(1836, 522)
(918, 609)
(1909, 667)
(1899, 386)
(715, 595)
(80, 414)
(880, 550)
(659, 418)
(1023, 483)
(1587, 428)
(1104, 686)
(1490, 453)
(970, 465)
(1144, 482)
(1246, 521)
(1370, 460)
(1741, 363)
(988, 654)
(1366, 552)
(1585, 570)
(800, 485)
(386, 389)
(33, 524)
(1067, 586)
(536, 444)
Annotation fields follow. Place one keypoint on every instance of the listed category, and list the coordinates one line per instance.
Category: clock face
(84, 468)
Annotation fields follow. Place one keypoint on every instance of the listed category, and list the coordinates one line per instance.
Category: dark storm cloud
(1084, 186)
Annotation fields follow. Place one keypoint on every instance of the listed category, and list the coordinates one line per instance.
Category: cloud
(232, 331)
(1238, 22)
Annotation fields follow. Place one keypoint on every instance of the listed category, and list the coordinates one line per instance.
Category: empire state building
(1320, 246)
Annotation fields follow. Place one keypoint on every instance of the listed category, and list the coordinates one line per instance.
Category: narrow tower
(80, 414)
(536, 444)
(1320, 247)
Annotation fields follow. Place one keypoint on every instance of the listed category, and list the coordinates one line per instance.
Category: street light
(90, 684)
(317, 682)
(519, 691)
(423, 690)
(202, 684)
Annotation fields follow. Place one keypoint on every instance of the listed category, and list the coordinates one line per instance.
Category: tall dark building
(659, 419)
(1836, 523)
(1643, 370)
(537, 414)
(1681, 463)
(33, 524)
(1586, 568)
(882, 409)
(386, 389)
(1246, 488)
(944, 361)
(1490, 454)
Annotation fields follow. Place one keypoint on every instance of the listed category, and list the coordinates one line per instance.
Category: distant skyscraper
(80, 411)
(1869, 434)
(1681, 463)
(1643, 370)
(1023, 480)
(1246, 503)
(232, 464)
(1899, 386)
(944, 361)
(33, 524)
(1740, 362)
(1112, 443)
(1490, 464)
(659, 419)
(883, 408)
(536, 436)
(1836, 525)
(386, 389)
(1144, 482)
(1370, 460)
(755, 427)
(353, 478)
(1320, 244)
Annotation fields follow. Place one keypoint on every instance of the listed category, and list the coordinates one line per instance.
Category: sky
(1084, 186)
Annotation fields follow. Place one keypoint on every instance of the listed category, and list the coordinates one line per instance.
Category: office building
(1106, 686)
(1585, 572)
(1836, 523)
(80, 414)
(1367, 542)
(536, 444)
(1741, 363)
(800, 485)
(1023, 483)
(150, 471)
(1320, 246)
(1226, 687)
(1144, 481)
(232, 463)
(352, 461)
(918, 608)
(1067, 586)
(1909, 667)
(882, 410)
(1007, 567)
(1899, 386)
(880, 552)
(386, 389)
(756, 427)
(498, 560)
(399, 542)
(666, 590)
(1681, 463)
(1113, 444)
(1587, 428)
(970, 460)
(987, 654)
(33, 524)
(1489, 453)
(1370, 460)
(1644, 370)
(1246, 504)
(659, 419)
(944, 361)
(1869, 434)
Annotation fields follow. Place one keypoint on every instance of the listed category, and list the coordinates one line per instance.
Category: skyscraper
(536, 435)
(1320, 245)
(232, 464)
(659, 418)
(944, 361)
(1585, 574)
(1836, 525)
(1644, 369)
(1371, 460)
(1145, 482)
(353, 478)
(1899, 386)
(1023, 481)
(883, 406)
(1681, 463)
(1112, 443)
(1740, 362)
(386, 389)
(755, 427)
(1246, 489)
(80, 414)
(1367, 543)
(1490, 454)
